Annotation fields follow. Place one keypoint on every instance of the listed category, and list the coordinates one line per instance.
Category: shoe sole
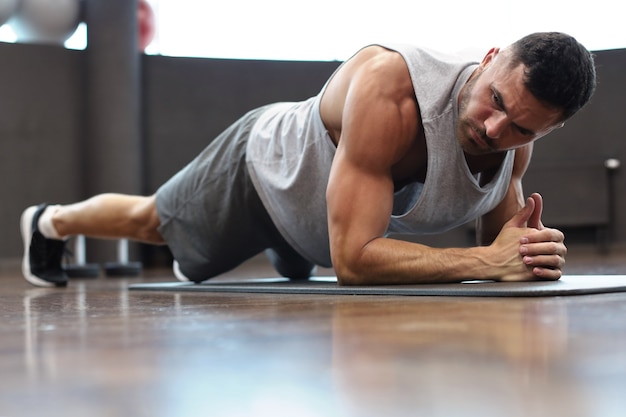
(178, 273)
(26, 222)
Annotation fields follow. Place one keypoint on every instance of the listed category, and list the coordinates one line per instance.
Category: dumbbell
(80, 268)
(122, 268)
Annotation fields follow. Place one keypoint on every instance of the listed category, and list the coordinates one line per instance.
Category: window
(335, 29)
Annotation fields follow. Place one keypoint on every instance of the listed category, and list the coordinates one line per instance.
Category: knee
(296, 268)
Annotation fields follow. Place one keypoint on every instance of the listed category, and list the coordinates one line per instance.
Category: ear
(489, 58)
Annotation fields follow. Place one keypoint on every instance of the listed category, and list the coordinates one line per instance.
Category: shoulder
(375, 68)
(375, 57)
(372, 110)
(384, 67)
(373, 77)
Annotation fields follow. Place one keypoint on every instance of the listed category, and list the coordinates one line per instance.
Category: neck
(484, 164)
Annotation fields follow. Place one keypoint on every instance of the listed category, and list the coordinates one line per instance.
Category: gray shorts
(212, 217)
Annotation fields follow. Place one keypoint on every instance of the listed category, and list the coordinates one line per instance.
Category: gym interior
(111, 119)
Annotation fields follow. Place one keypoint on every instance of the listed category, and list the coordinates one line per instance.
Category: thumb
(535, 218)
(520, 219)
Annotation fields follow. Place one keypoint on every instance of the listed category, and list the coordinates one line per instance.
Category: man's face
(497, 112)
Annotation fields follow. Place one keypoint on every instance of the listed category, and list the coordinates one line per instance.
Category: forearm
(391, 261)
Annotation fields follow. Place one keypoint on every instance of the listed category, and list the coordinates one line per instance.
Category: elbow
(348, 280)
(348, 274)
(353, 264)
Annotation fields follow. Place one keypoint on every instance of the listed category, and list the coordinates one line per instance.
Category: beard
(466, 129)
(473, 140)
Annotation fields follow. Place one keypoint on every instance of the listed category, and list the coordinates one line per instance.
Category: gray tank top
(290, 153)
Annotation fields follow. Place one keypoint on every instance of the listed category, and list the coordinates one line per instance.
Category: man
(399, 140)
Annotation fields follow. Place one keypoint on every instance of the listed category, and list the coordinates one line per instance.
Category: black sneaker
(41, 265)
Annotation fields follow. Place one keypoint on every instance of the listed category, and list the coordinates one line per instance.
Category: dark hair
(559, 71)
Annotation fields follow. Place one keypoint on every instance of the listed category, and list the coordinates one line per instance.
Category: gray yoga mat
(567, 285)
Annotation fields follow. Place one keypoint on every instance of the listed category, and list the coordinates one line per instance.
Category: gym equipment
(46, 21)
(81, 269)
(567, 285)
(145, 24)
(122, 268)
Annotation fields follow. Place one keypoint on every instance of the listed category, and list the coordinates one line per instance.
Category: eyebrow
(522, 130)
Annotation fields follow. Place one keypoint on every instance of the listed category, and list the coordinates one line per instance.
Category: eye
(525, 132)
(495, 97)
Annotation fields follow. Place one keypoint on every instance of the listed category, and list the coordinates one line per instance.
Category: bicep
(359, 206)
(378, 123)
(360, 188)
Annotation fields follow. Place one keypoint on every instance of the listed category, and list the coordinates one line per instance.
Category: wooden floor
(95, 349)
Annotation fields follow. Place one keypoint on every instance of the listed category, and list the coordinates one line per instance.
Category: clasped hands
(530, 251)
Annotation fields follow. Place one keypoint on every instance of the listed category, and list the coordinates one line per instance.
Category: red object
(146, 23)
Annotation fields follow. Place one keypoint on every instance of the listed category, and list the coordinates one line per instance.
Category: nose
(496, 124)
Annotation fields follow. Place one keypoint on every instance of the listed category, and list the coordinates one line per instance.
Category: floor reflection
(444, 354)
(163, 354)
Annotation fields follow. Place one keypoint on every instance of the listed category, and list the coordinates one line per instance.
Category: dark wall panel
(40, 140)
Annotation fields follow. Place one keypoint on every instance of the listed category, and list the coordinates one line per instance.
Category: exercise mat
(567, 285)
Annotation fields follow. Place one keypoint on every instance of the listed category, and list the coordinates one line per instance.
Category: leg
(110, 216)
(211, 216)
(105, 216)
